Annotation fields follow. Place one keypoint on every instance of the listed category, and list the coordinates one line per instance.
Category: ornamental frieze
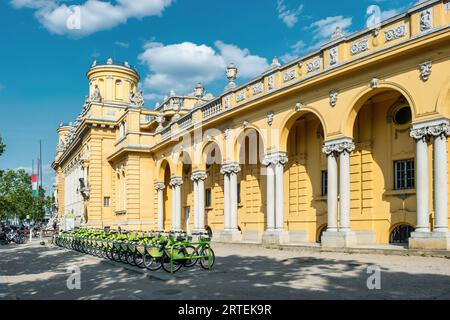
(338, 148)
(395, 33)
(359, 47)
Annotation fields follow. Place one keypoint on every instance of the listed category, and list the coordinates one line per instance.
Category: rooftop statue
(96, 96)
(136, 99)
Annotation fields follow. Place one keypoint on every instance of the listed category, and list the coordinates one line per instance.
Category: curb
(388, 252)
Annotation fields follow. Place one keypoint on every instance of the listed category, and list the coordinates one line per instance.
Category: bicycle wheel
(208, 258)
(190, 251)
(151, 263)
(138, 260)
(166, 265)
(130, 258)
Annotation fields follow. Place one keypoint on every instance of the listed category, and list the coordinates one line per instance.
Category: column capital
(159, 186)
(176, 181)
(440, 130)
(430, 129)
(338, 146)
(199, 175)
(229, 168)
(275, 158)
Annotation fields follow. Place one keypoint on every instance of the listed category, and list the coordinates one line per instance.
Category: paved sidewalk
(243, 272)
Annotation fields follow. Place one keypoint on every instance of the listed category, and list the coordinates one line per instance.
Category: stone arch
(180, 159)
(290, 120)
(302, 140)
(443, 100)
(161, 168)
(364, 95)
(256, 137)
(211, 153)
(383, 151)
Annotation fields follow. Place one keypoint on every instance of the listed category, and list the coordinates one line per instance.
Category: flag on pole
(34, 181)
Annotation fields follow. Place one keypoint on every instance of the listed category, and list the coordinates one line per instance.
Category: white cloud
(288, 16)
(296, 49)
(91, 16)
(324, 28)
(180, 66)
(122, 44)
(2, 86)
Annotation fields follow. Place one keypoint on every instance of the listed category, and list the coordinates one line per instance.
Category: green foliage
(16, 198)
(2, 146)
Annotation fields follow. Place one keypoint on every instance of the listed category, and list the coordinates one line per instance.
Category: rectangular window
(404, 174)
(106, 202)
(324, 183)
(208, 203)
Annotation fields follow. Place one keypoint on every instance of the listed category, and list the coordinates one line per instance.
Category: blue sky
(48, 45)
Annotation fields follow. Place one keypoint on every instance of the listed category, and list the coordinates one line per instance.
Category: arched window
(122, 129)
(400, 234)
(320, 233)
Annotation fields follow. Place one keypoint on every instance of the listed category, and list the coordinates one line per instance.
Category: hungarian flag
(34, 186)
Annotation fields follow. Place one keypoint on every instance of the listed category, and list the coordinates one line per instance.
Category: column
(195, 204)
(422, 190)
(176, 183)
(159, 187)
(280, 160)
(270, 201)
(226, 201)
(332, 192)
(230, 172)
(201, 203)
(233, 202)
(440, 134)
(341, 148)
(199, 177)
(344, 190)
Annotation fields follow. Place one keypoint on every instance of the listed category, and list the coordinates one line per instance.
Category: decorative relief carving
(270, 116)
(275, 158)
(426, 19)
(298, 107)
(176, 182)
(395, 33)
(240, 96)
(338, 148)
(334, 56)
(314, 65)
(227, 101)
(199, 175)
(425, 70)
(333, 97)
(419, 133)
(360, 46)
(230, 168)
(258, 88)
(159, 186)
(289, 75)
(271, 82)
(441, 130)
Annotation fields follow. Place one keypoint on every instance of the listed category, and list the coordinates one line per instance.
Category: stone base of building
(252, 236)
(297, 237)
(229, 236)
(339, 239)
(275, 237)
(430, 240)
(366, 237)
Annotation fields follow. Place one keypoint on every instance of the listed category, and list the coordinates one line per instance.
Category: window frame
(406, 180)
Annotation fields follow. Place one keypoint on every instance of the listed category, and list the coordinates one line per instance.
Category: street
(34, 271)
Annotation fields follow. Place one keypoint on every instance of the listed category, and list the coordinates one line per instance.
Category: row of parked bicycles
(14, 234)
(154, 250)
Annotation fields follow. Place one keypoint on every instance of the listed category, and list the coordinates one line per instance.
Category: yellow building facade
(345, 146)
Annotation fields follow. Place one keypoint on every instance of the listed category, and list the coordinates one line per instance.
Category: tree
(16, 199)
(2, 146)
